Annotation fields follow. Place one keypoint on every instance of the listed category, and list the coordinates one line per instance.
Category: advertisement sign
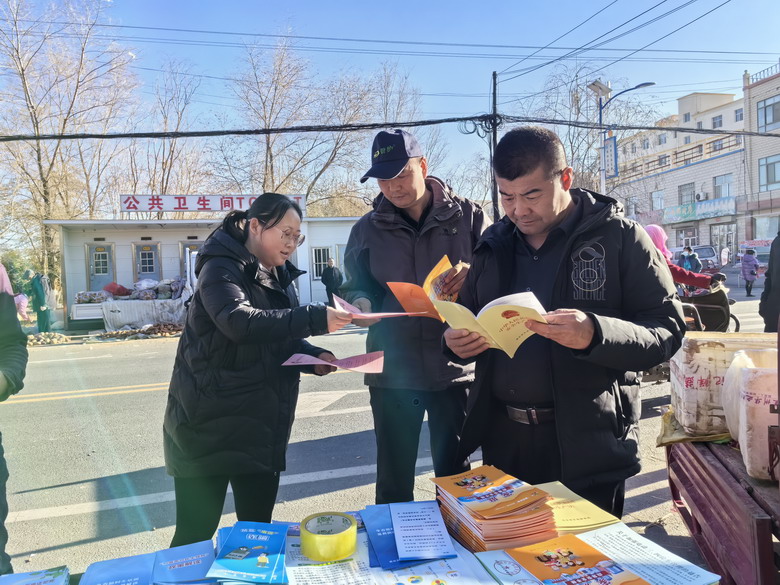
(701, 210)
(196, 203)
(716, 207)
(611, 157)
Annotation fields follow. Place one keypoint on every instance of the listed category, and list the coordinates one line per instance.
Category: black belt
(531, 416)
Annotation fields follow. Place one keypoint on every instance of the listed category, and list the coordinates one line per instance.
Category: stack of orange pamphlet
(487, 509)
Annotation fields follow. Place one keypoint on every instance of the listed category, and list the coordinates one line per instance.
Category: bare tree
(172, 165)
(60, 79)
(565, 97)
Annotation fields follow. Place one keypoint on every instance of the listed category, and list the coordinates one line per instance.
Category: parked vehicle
(708, 256)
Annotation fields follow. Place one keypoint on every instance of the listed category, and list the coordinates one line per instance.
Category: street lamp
(604, 91)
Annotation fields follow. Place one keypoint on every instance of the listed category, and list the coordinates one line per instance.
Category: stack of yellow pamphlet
(486, 509)
(574, 514)
(501, 322)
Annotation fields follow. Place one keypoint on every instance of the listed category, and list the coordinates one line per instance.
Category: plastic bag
(750, 388)
(145, 283)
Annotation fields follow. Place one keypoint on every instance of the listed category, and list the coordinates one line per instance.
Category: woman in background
(749, 271)
(231, 403)
(679, 274)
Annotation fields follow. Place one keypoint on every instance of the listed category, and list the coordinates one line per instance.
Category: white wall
(320, 232)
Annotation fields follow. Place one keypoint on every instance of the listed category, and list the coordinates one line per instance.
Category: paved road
(84, 447)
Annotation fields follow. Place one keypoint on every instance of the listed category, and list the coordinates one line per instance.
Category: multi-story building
(684, 181)
(761, 207)
(709, 189)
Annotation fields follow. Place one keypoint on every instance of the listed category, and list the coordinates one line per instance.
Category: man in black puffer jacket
(566, 406)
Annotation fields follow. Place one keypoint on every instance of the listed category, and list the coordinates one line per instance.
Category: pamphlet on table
(182, 564)
(613, 555)
(252, 552)
(55, 576)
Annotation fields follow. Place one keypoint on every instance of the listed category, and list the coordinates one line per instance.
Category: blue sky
(455, 80)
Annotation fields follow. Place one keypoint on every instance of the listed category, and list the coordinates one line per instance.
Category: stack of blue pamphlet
(407, 534)
(182, 565)
(250, 552)
(55, 576)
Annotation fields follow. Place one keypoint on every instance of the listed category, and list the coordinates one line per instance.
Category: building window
(769, 173)
(739, 115)
(716, 145)
(661, 139)
(721, 186)
(631, 207)
(624, 150)
(769, 114)
(663, 160)
(645, 143)
(319, 260)
(146, 263)
(687, 140)
(717, 121)
(100, 263)
(658, 199)
(686, 193)
(699, 125)
(687, 117)
(633, 148)
(738, 140)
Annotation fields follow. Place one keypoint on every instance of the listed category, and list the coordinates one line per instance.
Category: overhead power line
(571, 30)
(356, 40)
(483, 120)
(690, 22)
(590, 45)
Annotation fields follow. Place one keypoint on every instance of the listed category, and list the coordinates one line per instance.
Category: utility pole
(493, 144)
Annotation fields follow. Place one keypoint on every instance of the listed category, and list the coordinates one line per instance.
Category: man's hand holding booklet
(501, 322)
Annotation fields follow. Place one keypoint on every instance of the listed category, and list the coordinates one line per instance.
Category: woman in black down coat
(231, 403)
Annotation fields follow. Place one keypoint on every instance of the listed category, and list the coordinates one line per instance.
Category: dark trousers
(749, 287)
(199, 503)
(398, 418)
(331, 292)
(44, 325)
(5, 560)
(531, 453)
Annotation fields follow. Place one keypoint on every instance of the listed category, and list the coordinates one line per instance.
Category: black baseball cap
(390, 153)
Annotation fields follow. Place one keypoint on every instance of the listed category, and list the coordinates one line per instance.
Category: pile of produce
(156, 330)
(47, 339)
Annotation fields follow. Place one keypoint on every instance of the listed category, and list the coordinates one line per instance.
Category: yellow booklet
(574, 514)
(501, 322)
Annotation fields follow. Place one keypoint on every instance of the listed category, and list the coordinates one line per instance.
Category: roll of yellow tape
(330, 536)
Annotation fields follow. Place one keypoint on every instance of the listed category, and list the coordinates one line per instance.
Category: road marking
(161, 497)
(322, 403)
(91, 357)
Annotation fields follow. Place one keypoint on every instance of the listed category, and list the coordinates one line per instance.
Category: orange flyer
(488, 492)
(567, 560)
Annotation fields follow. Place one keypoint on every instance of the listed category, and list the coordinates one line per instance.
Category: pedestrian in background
(749, 271)
(231, 403)
(332, 279)
(40, 291)
(769, 305)
(13, 362)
